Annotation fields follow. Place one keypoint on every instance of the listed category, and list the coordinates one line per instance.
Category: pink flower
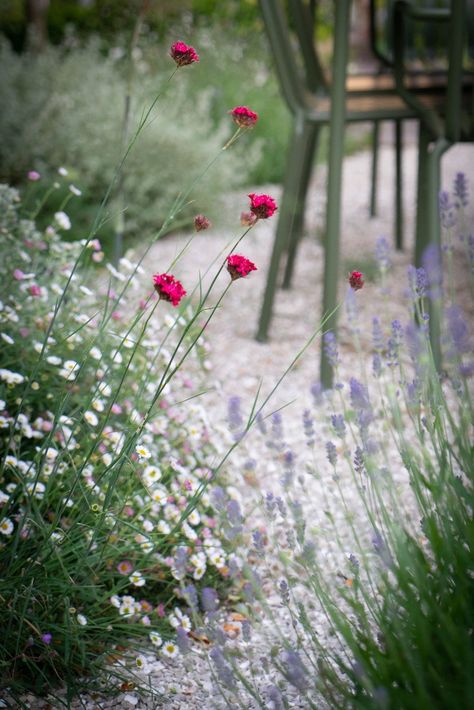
(244, 117)
(116, 408)
(201, 222)
(183, 54)
(168, 288)
(238, 266)
(125, 567)
(34, 176)
(247, 219)
(18, 275)
(160, 609)
(263, 206)
(356, 280)
(35, 290)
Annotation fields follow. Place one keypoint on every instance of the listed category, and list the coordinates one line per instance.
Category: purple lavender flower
(330, 348)
(235, 419)
(258, 543)
(331, 453)
(47, 638)
(223, 669)
(190, 596)
(281, 506)
(383, 254)
(180, 561)
(393, 344)
(308, 425)
(432, 264)
(458, 330)
(317, 388)
(218, 498)
(284, 592)
(446, 210)
(288, 469)
(354, 562)
(460, 189)
(418, 281)
(359, 460)
(182, 640)
(209, 599)
(376, 365)
(246, 630)
(337, 421)
(270, 504)
(360, 402)
(294, 670)
(274, 696)
(261, 423)
(377, 335)
(381, 548)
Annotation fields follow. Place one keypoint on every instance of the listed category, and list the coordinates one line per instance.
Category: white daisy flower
(7, 338)
(6, 526)
(115, 601)
(199, 572)
(62, 171)
(53, 360)
(95, 353)
(62, 220)
(142, 451)
(163, 527)
(169, 649)
(151, 475)
(104, 389)
(194, 518)
(148, 525)
(160, 495)
(155, 638)
(82, 620)
(98, 405)
(91, 418)
(75, 190)
(137, 579)
(142, 664)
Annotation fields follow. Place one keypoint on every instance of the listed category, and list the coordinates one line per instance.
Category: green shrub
(66, 109)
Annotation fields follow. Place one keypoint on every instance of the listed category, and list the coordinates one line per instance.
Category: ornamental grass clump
(363, 569)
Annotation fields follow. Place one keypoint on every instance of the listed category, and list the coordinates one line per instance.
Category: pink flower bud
(239, 267)
(244, 117)
(263, 206)
(183, 54)
(356, 280)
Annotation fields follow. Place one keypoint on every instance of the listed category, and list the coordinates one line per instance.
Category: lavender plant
(364, 571)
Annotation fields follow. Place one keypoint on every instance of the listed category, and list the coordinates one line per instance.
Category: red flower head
(168, 288)
(239, 266)
(262, 206)
(244, 117)
(183, 54)
(356, 280)
(201, 222)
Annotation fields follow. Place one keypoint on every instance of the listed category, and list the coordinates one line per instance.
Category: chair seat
(377, 106)
(415, 81)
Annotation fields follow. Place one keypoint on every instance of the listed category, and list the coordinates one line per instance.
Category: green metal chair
(441, 126)
(310, 105)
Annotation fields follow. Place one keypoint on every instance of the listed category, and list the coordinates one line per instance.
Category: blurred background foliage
(65, 69)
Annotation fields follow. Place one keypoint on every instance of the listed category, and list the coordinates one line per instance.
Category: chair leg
(296, 159)
(428, 230)
(375, 168)
(311, 139)
(398, 186)
(421, 232)
(336, 155)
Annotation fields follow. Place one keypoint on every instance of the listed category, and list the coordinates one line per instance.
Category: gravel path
(239, 363)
